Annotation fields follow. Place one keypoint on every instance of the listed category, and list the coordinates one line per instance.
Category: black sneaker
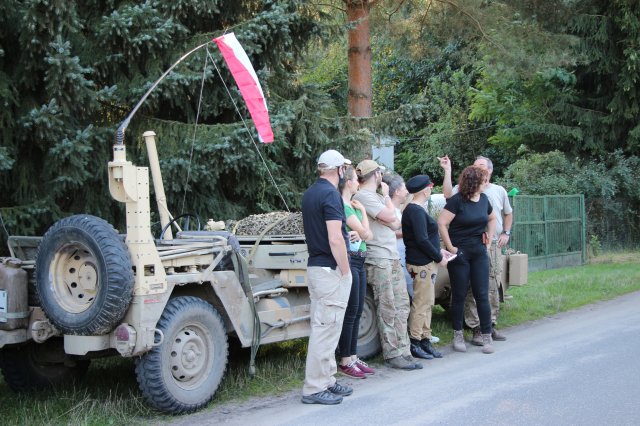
(427, 346)
(418, 352)
(325, 397)
(339, 389)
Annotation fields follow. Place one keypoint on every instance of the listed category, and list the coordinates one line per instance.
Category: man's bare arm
(447, 187)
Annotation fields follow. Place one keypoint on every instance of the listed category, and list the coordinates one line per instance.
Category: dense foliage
(71, 71)
(547, 89)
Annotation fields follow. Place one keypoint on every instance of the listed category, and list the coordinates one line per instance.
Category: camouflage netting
(288, 224)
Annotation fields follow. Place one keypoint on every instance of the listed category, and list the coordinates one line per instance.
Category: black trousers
(471, 267)
(348, 343)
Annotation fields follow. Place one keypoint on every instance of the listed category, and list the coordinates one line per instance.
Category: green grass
(109, 394)
(554, 291)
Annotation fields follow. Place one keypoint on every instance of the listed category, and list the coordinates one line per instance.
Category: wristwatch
(507, 233)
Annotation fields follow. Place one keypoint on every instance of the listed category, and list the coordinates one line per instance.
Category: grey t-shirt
(383, 243)
(499, 200)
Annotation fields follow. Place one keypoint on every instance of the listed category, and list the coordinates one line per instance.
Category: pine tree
(71, 71)
(608, 77)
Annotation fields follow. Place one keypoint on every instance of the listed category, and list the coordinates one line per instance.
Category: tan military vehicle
(84, 291)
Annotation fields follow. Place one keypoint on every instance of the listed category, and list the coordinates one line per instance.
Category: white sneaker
(434, 339)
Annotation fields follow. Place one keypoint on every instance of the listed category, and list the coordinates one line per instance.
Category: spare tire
(84, 277)
(368, 335)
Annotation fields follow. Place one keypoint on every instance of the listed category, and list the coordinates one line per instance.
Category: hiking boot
(426, 346)
(487, 347)
(416, 363)
(496, 335)
(325, 397)
(417, 351)
(400, 363)
(341, 390)
(476, 340)
(352, 370)
(458, 341)
(364, 367)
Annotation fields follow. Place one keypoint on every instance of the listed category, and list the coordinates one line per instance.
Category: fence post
(584, 229)
(545, 216)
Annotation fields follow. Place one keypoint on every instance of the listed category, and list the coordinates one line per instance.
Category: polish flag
(247, 81)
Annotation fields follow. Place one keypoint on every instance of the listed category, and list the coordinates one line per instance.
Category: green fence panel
(550, 229)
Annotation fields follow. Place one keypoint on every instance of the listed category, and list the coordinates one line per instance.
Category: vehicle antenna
(273, 181)
(195, 129)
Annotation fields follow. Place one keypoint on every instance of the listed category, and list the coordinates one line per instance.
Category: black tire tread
(23, 373)
(119, 280)
(371, 348)
(149, 367)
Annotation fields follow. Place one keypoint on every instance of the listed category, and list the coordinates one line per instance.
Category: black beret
(418, 183)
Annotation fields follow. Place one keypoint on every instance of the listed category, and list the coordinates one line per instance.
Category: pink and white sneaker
(364, 367)
(352, 371)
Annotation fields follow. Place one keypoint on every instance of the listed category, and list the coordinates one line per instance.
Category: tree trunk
(360, 93)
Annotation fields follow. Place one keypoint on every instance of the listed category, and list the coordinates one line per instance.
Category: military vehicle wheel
(37, 365)
(84, 277)
(445, 302)
(368, 336)
(182, 373)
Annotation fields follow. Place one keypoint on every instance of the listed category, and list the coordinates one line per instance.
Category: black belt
(358, 253)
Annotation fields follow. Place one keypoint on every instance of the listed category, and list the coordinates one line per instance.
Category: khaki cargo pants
(386, 278)
(329, 294)
(424, 280)
(495, 286)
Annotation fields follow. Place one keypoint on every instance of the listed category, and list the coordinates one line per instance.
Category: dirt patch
(227, 412)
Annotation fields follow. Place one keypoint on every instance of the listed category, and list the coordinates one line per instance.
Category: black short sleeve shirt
(320, 203)
(471, 219)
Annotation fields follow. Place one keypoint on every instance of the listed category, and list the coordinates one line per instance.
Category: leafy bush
(612, 196)
(542, 174)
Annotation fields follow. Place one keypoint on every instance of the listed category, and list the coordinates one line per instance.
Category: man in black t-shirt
(328, 279)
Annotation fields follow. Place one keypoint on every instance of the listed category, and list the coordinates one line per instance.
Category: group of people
(363, 226)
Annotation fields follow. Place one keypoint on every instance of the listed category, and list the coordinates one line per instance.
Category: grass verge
(109, 394)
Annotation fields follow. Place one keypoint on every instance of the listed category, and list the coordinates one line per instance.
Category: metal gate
(551, 229)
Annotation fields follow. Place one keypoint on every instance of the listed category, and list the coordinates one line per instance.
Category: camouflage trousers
(495, 286)
(390, 296)
(424, 283)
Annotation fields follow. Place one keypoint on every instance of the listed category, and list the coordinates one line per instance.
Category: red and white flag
(247, 81)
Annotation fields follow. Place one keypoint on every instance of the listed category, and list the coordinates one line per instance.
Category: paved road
(577, 368)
